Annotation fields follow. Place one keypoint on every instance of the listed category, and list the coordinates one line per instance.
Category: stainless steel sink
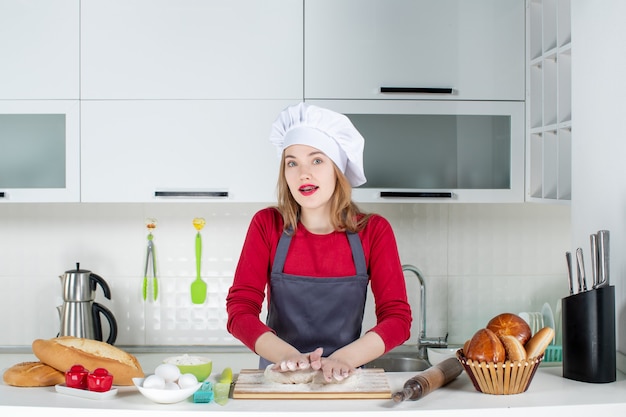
(399, 362)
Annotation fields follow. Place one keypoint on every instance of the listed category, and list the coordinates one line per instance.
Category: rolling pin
(429, 380)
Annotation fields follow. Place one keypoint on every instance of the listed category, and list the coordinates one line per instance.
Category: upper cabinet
(39, 46)
(415, 49)
(549, 102)
(191, 49)
(178, 150)
(39, 151)
(178, 97)
(438, 151)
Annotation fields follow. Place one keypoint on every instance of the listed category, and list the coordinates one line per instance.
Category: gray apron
(312, 312)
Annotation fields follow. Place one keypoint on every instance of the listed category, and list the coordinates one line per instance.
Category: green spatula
(198, 287)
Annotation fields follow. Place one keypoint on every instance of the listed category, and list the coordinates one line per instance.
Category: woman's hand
(300, 361)
(336, 369)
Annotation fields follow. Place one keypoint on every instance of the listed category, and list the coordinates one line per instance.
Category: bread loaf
(539, 342)
(33, 374)
(63, 352)
(510, 324)
(485, 346)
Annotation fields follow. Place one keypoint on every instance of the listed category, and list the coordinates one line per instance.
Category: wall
(478, 260)
(598, 146)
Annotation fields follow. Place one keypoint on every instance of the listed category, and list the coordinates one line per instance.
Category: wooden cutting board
(367, 383)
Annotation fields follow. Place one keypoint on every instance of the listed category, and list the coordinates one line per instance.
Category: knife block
(588, 325)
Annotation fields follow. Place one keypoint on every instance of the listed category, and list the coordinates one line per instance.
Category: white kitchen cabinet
(39, 151)
(438, 151)
(191, 49)
(549, 102)
(353, 48)
(39, 46)
(179, 150)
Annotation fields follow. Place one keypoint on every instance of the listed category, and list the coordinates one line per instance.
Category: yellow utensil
(221, 389)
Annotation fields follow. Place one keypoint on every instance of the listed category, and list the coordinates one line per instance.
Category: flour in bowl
(187, 360)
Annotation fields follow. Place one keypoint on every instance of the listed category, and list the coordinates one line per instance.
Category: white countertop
(549, 393)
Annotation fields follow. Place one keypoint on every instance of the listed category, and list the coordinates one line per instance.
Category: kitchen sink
(399, 362)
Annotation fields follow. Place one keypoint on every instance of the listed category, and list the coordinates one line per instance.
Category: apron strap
(281, 252)
(358, 255)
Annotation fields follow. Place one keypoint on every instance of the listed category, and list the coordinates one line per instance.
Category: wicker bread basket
(502, 378)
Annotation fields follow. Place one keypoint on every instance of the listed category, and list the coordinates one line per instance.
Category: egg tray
(502, 378)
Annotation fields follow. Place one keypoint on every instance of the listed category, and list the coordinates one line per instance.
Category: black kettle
(79, 313)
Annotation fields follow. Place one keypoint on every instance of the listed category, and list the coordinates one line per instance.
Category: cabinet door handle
(1, 194)
(191, 194)
(416, 90)
(416, 194)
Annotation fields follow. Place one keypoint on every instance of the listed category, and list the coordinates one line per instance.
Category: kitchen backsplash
(477, 260)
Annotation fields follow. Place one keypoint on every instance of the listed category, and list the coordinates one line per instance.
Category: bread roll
(513, 347)
(485, 346)
(466, 346)
(63, 352)
(33, 374)
(539, 342)
(510, 324)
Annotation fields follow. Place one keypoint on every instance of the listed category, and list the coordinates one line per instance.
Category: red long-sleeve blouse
(317, 256)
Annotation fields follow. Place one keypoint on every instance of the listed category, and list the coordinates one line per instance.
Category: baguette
(33, 374)
(64, 351)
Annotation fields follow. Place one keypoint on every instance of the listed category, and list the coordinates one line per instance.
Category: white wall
(478, 260)
(598, 138)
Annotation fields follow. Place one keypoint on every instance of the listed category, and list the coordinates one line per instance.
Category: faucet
(424, 342)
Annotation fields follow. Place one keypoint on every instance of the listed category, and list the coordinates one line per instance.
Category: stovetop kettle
(80, 314)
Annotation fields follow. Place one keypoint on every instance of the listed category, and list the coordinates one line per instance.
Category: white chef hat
(330, 132)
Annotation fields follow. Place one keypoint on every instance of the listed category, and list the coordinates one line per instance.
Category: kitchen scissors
(150, 264)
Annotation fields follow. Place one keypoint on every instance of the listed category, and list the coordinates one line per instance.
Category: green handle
(155, 288)
(198, 253)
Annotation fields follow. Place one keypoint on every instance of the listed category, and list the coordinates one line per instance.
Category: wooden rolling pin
(429, 380)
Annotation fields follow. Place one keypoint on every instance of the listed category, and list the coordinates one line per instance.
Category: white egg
(167, 371)
(154, 382)
(171, 386)
(187, 380)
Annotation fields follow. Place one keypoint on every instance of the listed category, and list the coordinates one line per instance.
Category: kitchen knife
(594, 259)
(603, 258)
(580, 265)
(570, 278)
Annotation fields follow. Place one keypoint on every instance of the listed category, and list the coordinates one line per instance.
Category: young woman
(314, 256)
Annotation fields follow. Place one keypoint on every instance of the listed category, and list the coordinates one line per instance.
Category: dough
(302, 376)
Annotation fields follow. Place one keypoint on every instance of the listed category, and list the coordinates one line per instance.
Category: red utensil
(100, 380)
(76, 377)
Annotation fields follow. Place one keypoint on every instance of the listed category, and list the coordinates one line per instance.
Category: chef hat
(326, 130)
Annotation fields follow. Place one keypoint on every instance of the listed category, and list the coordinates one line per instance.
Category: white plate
(83, 393)
(525, 316)
(558, 324)
(548, 317)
